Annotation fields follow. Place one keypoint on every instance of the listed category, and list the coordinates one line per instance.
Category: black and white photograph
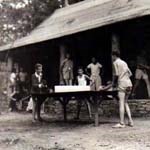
(75, 75)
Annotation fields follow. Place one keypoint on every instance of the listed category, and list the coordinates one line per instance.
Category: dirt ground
(17, 132)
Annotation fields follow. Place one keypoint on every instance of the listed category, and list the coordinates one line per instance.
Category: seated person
(13, 97)
(81, 80)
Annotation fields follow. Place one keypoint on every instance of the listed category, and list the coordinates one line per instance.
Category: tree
(19, 17)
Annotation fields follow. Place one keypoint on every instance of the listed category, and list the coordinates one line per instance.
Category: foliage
(19, 17)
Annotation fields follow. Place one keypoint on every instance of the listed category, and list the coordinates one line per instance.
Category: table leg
(64, 102)
(65, 111)
(96, 112)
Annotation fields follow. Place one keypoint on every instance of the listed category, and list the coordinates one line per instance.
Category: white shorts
(140, 74)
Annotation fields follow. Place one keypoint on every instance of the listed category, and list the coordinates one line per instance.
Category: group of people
(17, 87)
(91, 77)
(88, 76)
(121, 82)
(66, 71)
(37, 82)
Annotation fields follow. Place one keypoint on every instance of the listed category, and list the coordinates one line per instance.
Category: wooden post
(66, 3)
(9, 69)
(64, 101)
(62, 51)
(65, 110)
(96, 111)
(115, 42)
(115, 47)
(9, 64)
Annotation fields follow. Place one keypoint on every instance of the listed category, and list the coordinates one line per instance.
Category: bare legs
(79, 105)
(123, 106)
(68, 82)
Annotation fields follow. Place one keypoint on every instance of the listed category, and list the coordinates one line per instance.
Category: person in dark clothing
(141, 73)
(38, 85)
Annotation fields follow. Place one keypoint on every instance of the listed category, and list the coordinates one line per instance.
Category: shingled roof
(83, 16)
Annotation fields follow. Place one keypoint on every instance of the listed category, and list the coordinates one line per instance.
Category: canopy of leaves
(19, 17)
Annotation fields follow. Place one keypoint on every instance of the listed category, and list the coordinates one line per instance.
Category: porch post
(115, 45)
(66, 3)
(115, 42)
(9, 64)
(62, 51)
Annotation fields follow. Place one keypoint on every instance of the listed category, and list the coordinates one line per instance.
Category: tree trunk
(66, 3)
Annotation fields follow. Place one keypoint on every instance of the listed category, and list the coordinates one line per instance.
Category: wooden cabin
(85, 29)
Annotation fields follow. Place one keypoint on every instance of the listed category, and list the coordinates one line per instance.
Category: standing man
(121, 81)
(37, 87)
(95, 68)
(66, 70)
(141, 73)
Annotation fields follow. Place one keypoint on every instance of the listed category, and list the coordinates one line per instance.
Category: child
(82, 81)
(82, 78)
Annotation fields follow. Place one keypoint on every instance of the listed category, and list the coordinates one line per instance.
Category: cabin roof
(82, 16)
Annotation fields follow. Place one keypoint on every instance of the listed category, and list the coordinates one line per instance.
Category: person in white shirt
(95, 68)
(82, 80)
(121, 81)
(12, 90)
(13, 78)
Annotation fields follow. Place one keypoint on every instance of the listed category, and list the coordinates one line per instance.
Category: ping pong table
(95, 98)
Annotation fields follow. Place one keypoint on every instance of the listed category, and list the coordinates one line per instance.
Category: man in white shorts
(121, 81)
(95, 68)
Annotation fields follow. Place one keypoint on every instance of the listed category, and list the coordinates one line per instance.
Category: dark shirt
(38, 86)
